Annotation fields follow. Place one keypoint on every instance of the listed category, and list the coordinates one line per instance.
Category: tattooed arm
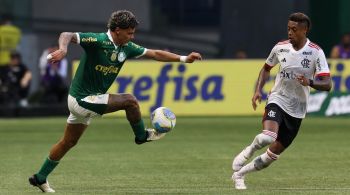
(63, 42)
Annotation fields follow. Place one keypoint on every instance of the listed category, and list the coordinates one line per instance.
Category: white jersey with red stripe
(287, 92)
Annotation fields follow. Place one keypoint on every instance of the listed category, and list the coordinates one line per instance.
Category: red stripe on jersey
(283, 42)
(314, 45)
(323, 74)
(270, 133)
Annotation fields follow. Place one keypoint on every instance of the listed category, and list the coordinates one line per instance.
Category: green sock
(46, 169)
(139, 130)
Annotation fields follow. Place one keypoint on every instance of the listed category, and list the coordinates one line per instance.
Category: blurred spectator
(342, 50)
(10, 36)
(16, 81)
(53, 77)
(241, 54)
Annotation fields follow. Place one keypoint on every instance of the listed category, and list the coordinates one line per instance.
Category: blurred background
(218, 29)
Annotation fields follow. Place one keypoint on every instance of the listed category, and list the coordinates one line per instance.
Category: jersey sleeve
(272, 60)
(135, 51)
(321, 65)
(87, 40)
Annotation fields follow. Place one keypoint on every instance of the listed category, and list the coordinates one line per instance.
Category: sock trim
(270, 133)
(271, 154)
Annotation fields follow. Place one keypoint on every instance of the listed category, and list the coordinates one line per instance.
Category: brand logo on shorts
(272, 114)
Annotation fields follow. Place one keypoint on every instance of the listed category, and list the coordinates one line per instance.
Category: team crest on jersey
(113, 57)
(121, 56)
(305, 63)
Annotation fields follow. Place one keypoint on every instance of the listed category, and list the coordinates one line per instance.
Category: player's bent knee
(265, 138)
(131, 100)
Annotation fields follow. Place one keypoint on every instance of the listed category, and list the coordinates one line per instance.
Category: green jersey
(100, 63)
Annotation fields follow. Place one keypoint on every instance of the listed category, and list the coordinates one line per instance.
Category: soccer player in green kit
(104, 56)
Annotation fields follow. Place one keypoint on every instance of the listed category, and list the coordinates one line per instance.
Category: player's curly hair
(301, 18)
(122, 19)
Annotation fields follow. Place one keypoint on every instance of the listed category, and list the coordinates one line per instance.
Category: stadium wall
(217, 87)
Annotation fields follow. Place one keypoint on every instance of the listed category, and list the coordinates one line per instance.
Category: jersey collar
(301, 49)
(111, 39)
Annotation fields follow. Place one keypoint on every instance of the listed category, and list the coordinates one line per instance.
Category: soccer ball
(163, 119)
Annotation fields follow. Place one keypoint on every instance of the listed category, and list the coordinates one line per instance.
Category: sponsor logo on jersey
(288, 75)
(89, 39)
(284, 50)
(305, 63)
(121, 57)
(272, 57)
(107, 69)
(107, 43)
(272, 114)
(307, 53)
(318, 64)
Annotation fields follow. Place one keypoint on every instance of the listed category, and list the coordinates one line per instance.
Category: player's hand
(56, 55)
(257, 97)
(303, 80)
(193, 56)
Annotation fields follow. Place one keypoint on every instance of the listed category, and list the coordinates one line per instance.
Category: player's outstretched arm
(63, 42)
(166, 56)
(263, 76)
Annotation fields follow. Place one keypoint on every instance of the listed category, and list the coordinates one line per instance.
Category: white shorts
(81, 115)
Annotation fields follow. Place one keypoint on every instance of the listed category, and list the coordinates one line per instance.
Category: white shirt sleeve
(143, 53)
(321, 65)
(78, 38)
(272, 60)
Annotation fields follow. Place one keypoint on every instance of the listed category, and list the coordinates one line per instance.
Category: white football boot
(44, 187)
(238, 180)
(153, 135)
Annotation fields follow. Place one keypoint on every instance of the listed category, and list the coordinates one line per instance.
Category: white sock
(261, 140)
(259, 163)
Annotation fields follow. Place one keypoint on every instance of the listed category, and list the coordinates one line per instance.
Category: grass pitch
(195, 158)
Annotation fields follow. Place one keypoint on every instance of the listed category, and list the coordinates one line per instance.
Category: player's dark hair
(301, 18)
(123, 19)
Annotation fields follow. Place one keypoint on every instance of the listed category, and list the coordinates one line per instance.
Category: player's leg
(131, 106)
(287, 133)
(72, 134)
(259, 142)
(77, 122)
(259, 163)
(288, 130)
(271, 121)
(70, 138)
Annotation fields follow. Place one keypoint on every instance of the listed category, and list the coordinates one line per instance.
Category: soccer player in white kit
(302, 65)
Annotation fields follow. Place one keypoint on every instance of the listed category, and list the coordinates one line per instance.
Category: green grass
(195, 158)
